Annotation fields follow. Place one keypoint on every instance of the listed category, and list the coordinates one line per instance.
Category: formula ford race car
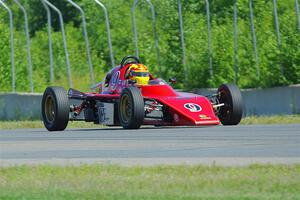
(130, 96)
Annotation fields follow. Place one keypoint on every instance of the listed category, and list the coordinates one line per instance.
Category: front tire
(131, 108)
(232, 111)
(55, 109)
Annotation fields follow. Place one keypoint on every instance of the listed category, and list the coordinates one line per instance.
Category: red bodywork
(183, 108)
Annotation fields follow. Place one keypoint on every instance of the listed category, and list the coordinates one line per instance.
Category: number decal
(115, 80)
(193, 107)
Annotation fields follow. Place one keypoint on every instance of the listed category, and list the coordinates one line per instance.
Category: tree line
(278, 65)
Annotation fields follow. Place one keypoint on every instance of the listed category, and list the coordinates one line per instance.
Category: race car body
(119, 100)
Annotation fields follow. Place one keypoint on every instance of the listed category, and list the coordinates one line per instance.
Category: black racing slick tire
(131, 108)
(232, 111)
(55, 109)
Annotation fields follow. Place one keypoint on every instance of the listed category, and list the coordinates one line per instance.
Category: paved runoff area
(219, 145)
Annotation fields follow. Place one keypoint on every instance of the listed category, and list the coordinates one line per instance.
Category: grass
(158, 182)
(39, 124)
(278, 119)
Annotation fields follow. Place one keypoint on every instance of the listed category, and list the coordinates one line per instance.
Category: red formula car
(130, 96)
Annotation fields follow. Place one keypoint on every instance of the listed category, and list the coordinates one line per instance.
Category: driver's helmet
(139, 73)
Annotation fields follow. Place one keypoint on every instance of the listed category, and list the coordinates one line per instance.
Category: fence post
(209, 39)
(12, 53)
(134, 28)
(153, 28)
(276, 23)
(64, 40)
(298, 15)
(155, 35)
(235, 43)
(49, 41)
(108, 32)
(85, 34)
(27, 43)
(254, 39)
(182, 42)
(277, 29)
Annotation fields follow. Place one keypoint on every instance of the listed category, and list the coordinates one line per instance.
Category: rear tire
(232, 111)
(131, 108)
(55, 109)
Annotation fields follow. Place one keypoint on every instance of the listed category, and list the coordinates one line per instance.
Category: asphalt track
(220, 145)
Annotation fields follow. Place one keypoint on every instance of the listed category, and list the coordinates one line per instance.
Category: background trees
(278, 66)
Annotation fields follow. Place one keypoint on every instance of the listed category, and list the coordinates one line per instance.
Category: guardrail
(268, 101)
(257, 102)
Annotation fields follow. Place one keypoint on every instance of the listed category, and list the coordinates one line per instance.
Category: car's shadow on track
(142, 128)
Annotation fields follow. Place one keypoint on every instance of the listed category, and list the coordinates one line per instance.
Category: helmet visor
(140, 74)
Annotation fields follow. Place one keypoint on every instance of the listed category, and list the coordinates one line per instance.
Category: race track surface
(221, 145)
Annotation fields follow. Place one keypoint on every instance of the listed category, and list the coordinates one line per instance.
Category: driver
(138, 73)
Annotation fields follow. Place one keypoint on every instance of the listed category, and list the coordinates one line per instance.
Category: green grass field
(279, 119)
(39, 124)
(158, 182)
